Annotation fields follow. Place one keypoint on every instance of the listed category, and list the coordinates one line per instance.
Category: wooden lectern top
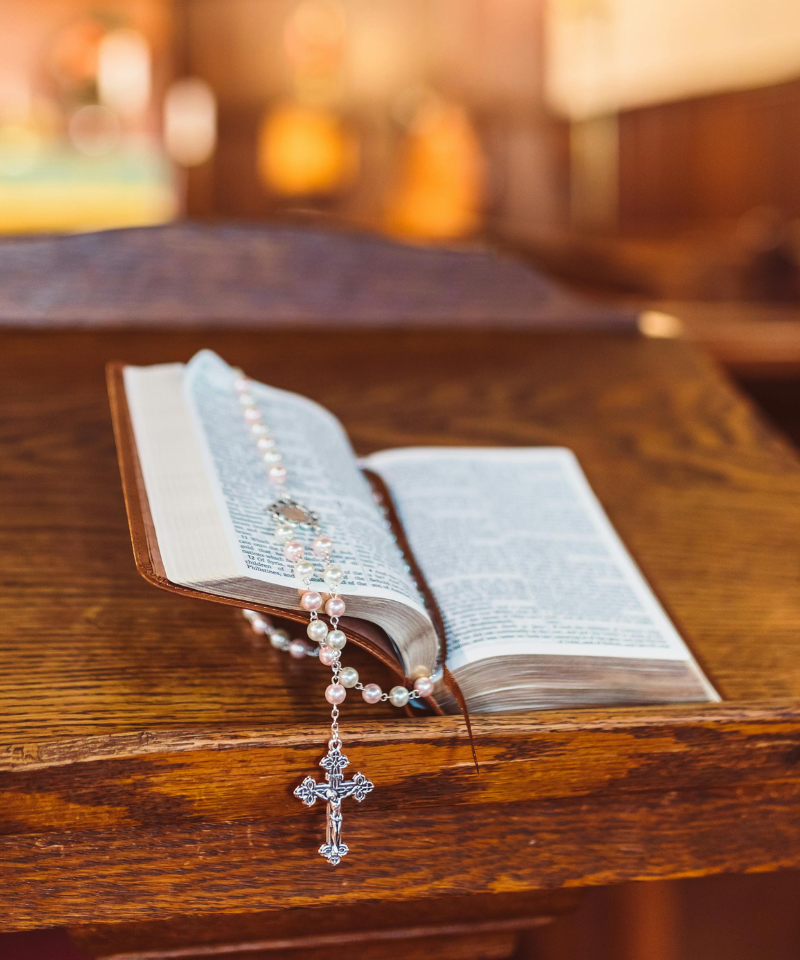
(148, 750)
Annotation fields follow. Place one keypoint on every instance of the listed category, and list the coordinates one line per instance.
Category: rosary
(327, 643)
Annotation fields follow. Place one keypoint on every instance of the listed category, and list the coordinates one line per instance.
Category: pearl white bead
(372, 693)
(335, 693)
(277, 473)
(284, 532)
(278, 639)
(322, 546)
(247, 399)
(336, 640)
(297, 649)
(398, 696)
(293, 551)
(424, 686)
(272, 456)
(265, 443)
(259, 429)
(241, 383)
(333, 574)
(304, 570)
(259, 625)
(317, 630)
(348, 677)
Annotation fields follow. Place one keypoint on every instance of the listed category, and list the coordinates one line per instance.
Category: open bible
(499, 562)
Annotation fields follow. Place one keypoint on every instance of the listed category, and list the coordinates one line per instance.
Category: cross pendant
(333, 790)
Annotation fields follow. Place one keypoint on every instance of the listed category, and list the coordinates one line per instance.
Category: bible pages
(541, 603)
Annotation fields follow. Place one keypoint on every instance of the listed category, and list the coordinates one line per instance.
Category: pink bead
(327, 656)
(293, 550)
(311, 600)
(252, 414)
(424, 686)
(277, 473)
(372, 693)
(265, 443)
(321, 547)
(335, 693)
(335, 607)
(297, 649)
(241, 384)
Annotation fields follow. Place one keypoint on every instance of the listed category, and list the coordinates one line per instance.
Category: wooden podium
(149, 748)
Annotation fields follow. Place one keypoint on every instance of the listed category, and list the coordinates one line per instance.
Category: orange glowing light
(440, 192)
(304, 151)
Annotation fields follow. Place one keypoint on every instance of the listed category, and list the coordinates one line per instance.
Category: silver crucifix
(333, 790)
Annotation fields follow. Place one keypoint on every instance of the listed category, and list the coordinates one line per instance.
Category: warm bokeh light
(654, 323)
(123, 72)
(305, 150)
(190, 121)
(441, 189)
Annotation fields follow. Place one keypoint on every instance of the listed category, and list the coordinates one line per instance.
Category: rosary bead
(328, 656)
(336, 640)
(297, 649)
(259, 625)
(322, 546)
(241, 384)
(304, 570)
(265, 443)
(423, 686)
(259, 429)
(252, 414)
(333, 574)
(317, 630)
(398, 696)
(348, 677)
(284, 532)
(335, 607)
(277, 473)
(310, 600)
(278, 639)
(246, 399)
(293, 550)
(372, 693)
(335, 693)
(272, 456)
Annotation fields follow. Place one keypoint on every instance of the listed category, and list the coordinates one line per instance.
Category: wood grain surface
(148, 748)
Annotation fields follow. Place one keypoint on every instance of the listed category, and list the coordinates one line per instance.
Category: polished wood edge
(427, 731)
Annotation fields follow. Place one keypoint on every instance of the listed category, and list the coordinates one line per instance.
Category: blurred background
(645, 147)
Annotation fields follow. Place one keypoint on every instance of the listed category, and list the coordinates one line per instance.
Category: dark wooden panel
(710, 158)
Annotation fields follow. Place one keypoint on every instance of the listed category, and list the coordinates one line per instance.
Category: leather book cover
(145, 544)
